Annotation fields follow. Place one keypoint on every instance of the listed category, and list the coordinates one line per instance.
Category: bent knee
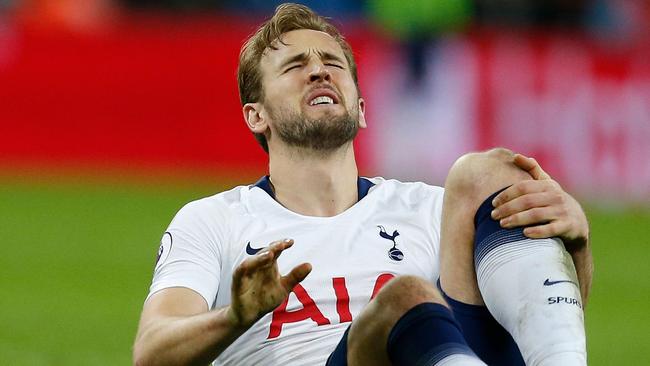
(477, 175)
(395, 299)
(404, 292)
(499, 153)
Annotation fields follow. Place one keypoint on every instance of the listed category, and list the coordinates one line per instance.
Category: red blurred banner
(152, 92)
(146, 92)
(160, 92)
(582, 108)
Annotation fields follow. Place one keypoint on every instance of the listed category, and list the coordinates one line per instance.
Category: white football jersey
(393, 230)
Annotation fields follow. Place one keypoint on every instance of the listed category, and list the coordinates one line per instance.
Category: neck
(313, 183)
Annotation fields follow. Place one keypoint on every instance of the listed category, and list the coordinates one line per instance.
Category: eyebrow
(327, 56)
(301, 57)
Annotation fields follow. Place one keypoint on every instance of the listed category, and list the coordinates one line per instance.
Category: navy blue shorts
(340, 355)
(483, 334)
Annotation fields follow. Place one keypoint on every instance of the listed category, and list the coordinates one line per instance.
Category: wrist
(577, 244)
(579, 241)
(237, 320)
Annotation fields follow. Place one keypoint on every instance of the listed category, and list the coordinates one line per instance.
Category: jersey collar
(363, 186)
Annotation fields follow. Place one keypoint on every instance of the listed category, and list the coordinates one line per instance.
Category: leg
(407, 324)
(506, 269)
(471, 180)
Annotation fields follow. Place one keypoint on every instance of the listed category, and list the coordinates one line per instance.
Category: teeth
(322, 100)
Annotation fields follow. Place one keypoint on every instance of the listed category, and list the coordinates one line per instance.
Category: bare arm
(552, 212)
(581, 253)
(176, 327)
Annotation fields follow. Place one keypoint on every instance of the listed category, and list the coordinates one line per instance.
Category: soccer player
(315, 265)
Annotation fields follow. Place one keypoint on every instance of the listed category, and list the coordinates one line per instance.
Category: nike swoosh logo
(551, 283)
(250, 250)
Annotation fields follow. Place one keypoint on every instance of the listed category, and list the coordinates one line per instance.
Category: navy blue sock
(489, 233)
(425, 335)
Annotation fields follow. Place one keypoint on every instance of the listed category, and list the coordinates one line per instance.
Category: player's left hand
(541, 205)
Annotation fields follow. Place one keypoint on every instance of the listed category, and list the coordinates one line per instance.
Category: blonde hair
(287, 17)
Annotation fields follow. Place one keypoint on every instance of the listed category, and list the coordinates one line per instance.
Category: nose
(319, 73)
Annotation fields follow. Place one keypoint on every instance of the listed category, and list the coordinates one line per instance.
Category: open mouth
(321, 100)
(322, 97)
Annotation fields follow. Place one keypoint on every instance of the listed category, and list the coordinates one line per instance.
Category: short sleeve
(434, 210)
(436, 214)
(190, 252)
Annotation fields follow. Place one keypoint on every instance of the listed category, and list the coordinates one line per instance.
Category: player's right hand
(258, 287)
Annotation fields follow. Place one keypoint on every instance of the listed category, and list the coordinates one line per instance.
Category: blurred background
(113, 114)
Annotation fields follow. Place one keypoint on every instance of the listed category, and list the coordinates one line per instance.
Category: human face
(310, 98)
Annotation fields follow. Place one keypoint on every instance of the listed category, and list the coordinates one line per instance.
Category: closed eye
(334, 65)
(292, 67)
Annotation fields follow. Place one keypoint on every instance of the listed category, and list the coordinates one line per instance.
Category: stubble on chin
(319, 134)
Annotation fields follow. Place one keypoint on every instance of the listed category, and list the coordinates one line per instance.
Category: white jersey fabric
(393, 230)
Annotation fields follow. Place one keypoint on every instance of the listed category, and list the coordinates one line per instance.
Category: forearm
(193, 340)
(583, 261)
(579, 246)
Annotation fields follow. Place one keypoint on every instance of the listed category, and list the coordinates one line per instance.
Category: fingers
(264, 259)
(261, 260)
(296, 276)
(552, 229)
(531, 166)
(269, 254)
(534, 216)
(276, 248)
(526, 202)
(548, 221)
(525, 187)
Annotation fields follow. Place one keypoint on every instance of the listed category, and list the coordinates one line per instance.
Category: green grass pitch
(76, 262)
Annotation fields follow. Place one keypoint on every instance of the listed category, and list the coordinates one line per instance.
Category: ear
(254, 117)
(362, 113)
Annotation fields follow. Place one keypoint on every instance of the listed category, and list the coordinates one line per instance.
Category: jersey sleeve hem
(164, 286)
